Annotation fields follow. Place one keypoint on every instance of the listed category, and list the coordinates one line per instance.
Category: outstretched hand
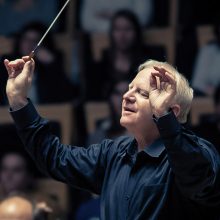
(20, 75)
(162, 91)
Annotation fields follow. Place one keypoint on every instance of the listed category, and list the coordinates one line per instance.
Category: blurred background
(84, 66)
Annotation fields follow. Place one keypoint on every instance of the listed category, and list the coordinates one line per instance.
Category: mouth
(128, 109)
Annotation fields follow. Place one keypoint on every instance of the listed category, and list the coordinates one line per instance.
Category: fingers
(15, 67)
(6, 62)
(10, 69)
(164, 75)
(153, 82)
(16, 64)
(29, 68)
(27, 58)
(31, 60)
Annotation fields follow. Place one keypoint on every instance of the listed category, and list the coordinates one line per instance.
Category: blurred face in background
(28, 42)
(123, 33)
(14, 176)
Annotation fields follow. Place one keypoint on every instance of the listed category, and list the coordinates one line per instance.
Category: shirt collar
(153, 150)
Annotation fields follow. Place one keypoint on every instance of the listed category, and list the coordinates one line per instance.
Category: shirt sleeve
(194, 161)
(77, 166)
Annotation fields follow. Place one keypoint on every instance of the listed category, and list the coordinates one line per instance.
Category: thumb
(28, 68)
(9, 70)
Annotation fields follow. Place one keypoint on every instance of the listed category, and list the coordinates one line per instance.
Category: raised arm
(194, 161)
(77, 166)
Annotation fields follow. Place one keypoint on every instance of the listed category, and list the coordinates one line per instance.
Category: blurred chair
(154, 36)
(62, 113)
(93, 112)
(162, 37)
(200, 106)
(99, 41)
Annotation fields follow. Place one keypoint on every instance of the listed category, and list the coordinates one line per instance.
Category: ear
(176, 109)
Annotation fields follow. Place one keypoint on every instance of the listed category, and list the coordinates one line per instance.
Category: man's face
(13, 175)
(136, 112)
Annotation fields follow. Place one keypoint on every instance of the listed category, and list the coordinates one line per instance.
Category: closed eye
(143, 93)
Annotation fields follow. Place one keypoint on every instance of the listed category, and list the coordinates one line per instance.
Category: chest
(135, 184)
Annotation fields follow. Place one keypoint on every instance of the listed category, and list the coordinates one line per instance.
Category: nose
(129, 96)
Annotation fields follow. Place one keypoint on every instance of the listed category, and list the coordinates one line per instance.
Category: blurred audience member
(206, 75)
(110, 127)
(49, 67)
(209, 126)
(97, 14)
(15, 176)
(16, 14)
(21, 208)
(121, 59)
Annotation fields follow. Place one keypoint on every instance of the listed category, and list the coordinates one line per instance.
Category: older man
(164, 172)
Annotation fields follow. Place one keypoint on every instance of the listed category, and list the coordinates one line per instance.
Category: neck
(144, 141)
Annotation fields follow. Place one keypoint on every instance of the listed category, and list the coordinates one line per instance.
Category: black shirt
(177, 177)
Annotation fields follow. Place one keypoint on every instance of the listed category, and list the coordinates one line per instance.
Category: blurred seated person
(209, 126)
(15, 175)
(206, 75)
(49, 67)
(110, 127)
(121, 59)
(96, 15)
(20, 208)
(16, 14)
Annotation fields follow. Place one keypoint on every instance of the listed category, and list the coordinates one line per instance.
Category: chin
(125, 122)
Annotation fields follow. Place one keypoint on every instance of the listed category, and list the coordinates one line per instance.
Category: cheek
(144, 112)
(130, 37)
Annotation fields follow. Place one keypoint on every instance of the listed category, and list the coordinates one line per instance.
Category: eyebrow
(139, 87)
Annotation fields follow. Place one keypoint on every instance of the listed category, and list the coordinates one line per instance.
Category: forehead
(143, 77)
(13, 160)
(122, 21)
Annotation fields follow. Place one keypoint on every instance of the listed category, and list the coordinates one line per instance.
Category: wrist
(160, 113)
(17, 103)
